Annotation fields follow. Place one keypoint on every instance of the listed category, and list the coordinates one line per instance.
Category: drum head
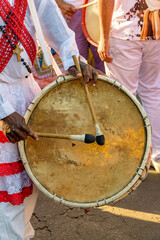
(90, 23)
(83, 173)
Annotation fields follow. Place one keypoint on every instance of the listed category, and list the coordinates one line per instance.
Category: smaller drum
(90, 23)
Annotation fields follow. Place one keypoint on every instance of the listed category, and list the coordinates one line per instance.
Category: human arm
(13, 125)
(67, 9)
(61, 38)
(106, 8)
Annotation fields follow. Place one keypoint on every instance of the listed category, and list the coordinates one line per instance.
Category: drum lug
(60, 76)
(105, 200)
(97, 203)
(120, 86)
(54, 196)
(114, 83)
(144, 174)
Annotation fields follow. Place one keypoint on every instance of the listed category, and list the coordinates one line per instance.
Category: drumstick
(86, 138)
(87, 5)
(99, 135)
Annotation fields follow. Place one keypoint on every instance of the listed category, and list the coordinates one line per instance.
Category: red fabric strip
(17, 198)
(3, 138)
(7, 169)
(15, 28)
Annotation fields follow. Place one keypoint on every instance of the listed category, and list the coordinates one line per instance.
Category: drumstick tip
(89, 138)
(100, 140)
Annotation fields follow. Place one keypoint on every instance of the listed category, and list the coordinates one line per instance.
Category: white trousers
(18, 215)
(136, 65)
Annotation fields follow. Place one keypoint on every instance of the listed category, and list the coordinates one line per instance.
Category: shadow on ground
(136, 216)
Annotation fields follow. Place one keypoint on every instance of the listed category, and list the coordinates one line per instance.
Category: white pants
(136, 65)
(18, 215)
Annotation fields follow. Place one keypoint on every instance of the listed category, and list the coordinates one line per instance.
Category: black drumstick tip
(89, 138)
(100, 140)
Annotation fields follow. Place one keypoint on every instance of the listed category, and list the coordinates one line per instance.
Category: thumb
(73, 71)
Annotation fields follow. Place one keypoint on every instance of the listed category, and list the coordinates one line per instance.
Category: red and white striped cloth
(12, 171)
(15, 184)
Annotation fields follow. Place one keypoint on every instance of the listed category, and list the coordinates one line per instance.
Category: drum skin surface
(90, 23)
(85, 172)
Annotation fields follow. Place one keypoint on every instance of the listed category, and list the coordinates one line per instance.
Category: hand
(15, 128)
(89, 73)
(67, 9)
(103, 51)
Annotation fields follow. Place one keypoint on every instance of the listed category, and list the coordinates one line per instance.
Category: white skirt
(15, 184)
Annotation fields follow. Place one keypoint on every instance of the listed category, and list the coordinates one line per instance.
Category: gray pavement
(135, 217)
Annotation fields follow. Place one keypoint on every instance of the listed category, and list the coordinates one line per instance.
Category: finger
(70, 13)
(73, 9)
(67, 17)
(21, 135)
(94, 77)
(12, 137)
(73, 71)
(108, 59)
(30, 133)
(102, 56)
(86, 75)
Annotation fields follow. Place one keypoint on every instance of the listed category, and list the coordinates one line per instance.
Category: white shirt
(153, 4)
(58, 36)
(128, 18)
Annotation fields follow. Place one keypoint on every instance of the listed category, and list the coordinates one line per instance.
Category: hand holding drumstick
(99, 135)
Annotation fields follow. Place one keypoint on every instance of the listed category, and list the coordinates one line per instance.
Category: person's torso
(128, 19)
(16, 70)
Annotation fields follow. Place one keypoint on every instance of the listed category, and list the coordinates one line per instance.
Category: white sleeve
(5, 108)
(56, 32)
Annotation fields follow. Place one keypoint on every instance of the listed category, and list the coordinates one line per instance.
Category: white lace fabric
(19, 95)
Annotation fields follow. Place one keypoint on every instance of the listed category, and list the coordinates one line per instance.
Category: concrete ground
(136, 216)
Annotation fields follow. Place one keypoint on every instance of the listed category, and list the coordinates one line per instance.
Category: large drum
(79, 174)
(90, 23)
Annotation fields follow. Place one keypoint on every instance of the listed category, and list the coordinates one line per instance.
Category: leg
(12, 225)
(15, 219)
(75, 26)
(127, 58)
(149, 89)
(29, 205)
(98, 63)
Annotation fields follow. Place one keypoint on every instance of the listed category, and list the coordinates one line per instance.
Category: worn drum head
(80, 174)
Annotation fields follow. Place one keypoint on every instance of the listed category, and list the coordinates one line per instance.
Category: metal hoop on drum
(90, 22)
(92, 175)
